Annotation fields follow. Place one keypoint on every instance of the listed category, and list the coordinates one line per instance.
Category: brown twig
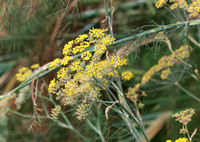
(32, 91)
(32, 8)
(59, 21)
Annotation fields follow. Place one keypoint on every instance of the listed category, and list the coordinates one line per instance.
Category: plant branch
(118, 42)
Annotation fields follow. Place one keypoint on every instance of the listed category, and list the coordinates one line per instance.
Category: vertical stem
(72, 128)
(128, 110)
(190, 139)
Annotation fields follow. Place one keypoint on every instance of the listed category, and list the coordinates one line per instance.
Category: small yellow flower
(127, 75)
(62, 74)
(75, 66)
(112, 73)
(55, 112)
(35, 66)
(55, 63)
(179, 140)
(86, 55)
(118, 62)
(65, 60)
(182, 140)
(165, 73)
(68, 48)
(97, 33)
(81, 38)
(23, 74)
(160, 3)
(52, 86)
(194, 9)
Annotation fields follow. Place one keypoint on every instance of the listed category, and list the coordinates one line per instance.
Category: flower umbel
(184, 116)
(23, 74)
(163, 63)
(179, 140)
(127, 75)
(76, 80)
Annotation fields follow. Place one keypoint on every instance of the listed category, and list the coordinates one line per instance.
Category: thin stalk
(125, 116)
(136, 121)
(155, 30)
(106, 88)
(190, 139)
(80, 135)
(193, 40)
(61, 124)
(187, 92)
(169, 10)
(120, 90)
(99, 123)
(96, 130)
(69, 126)
(133, 130)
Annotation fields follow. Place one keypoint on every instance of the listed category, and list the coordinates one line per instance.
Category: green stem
(128, 110)
(95, 129)
(124, 40)
(155, 30)
(69, 126)
(187, 92)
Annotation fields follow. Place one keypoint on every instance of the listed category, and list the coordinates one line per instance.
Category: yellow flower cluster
(62, 74)
(179, 140)
(75, 66)
(65, 60)
(55, 112)
(112, 73)
(164, 62)
(127, 75)
(77, 80)
(133, 96)
(86, 55)
(68, 48)
(35, 66)
(82, 110)
(97, 33)
(81, 38)
(24, 73)
(105, 67)
(184, 116)
(118, 62)
(52, 86)
(165, 73)
(178, 4)
(160, 3)
(55, 63)
(193, 8)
